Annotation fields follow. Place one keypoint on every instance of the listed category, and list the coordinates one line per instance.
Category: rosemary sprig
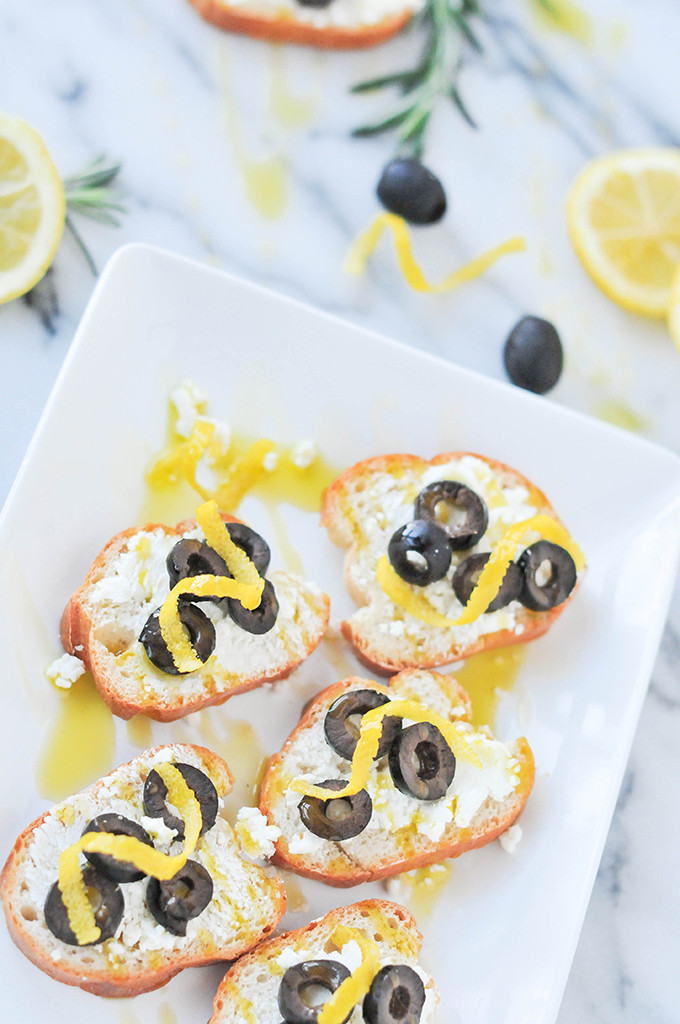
(88, 194)
(448, 32)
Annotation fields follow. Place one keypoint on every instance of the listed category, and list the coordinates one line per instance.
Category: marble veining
(144, 81)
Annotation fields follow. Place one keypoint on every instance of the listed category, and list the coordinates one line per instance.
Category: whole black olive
(420, 552)
(117, 825)
(191, 557)
(252, 543)
(338, 819)
(343, 734)
(468, 572)
(105, 898)
(201, 633)
(421, 762)
(396, 996)
(180, 898)
(533, 355)
(549, 576)
(410, 190)
(258, 620)
(301, 982)
(156, 792)
(468, 516)
(315, 3)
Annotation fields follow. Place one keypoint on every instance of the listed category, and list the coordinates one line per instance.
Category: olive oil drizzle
(81, 744)
(486, 677)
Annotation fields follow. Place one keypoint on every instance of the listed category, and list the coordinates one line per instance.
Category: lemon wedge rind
(32, 208)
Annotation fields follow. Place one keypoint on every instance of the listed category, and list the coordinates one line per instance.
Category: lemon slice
(623, 215)
(32, 208)
(674, 310)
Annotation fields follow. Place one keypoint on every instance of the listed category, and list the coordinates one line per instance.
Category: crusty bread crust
(284, 28)
(341, 870)
(88, 967)
(79, 637)
(346, 532)
(388, 923)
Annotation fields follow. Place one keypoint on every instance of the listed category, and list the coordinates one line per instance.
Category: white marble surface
(186, 109)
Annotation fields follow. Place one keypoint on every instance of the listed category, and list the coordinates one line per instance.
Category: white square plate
(501, 938)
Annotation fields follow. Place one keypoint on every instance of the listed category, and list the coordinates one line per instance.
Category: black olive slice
(155, 794)
(413, 192)
(191, 557)
(105, 898)
(315, 3)
(117, 825)
(533, 355)
(180, 898)
(300, 985)
(467, 574)
(261, 619)
(342, 734)
(252, 543)
(468, 515)
(338, 819)
(549, 576)
(421, 762)
(396, 996)
(201, 633)
(420, 552)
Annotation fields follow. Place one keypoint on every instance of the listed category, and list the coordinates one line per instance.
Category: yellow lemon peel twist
(172, 630)
(362, 248)
(216, 534)
(243, 475)
(490, 579)
(369, 738)
(353, 989)
(182, 461)
(247, 586)
(126, 848)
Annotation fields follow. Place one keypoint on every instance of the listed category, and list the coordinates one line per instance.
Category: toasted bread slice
(128, 581)
(249, 991)
(245, 907)
(364, 507)
(403, 832)
(340, 25)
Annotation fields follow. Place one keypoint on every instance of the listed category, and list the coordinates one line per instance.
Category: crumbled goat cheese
(256, 837)
(511, 838)
(190, 402)
(304, 453)
(158, 830)
(270, 461)
(291, 957)
(64, 671)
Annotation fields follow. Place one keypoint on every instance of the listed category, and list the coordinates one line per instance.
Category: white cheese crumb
(305, 842)
(158, 830)
(290, 957)
(189, 402)
(162, 756)
(270, 461)
(64, 671)
(510, 839)
(256, 837)
(304, 453)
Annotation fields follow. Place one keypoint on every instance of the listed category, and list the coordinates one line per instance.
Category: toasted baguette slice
(403, 832)
(246, 905)
(341, 25)
(249, 991)
(363, 508)
(128, 581)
